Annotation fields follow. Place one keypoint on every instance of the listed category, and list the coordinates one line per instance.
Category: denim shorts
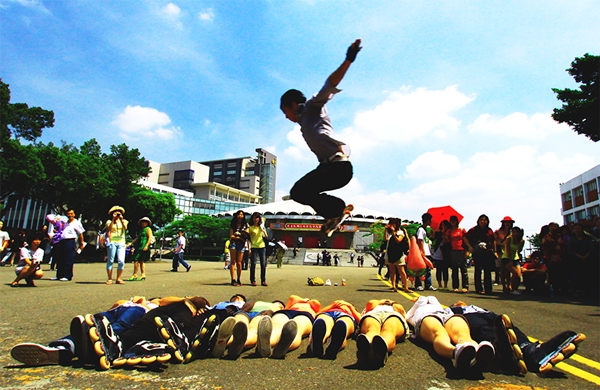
(239, 246)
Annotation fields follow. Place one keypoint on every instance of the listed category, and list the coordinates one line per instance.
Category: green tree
(20, 120)
(581, 107)
(201, 230)
(159, 207)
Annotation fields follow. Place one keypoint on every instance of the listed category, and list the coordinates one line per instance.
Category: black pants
(485, 262)
(458, 263)
(309, 190)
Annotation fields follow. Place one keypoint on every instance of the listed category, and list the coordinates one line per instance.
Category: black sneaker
(317, 337)
(173, 336)
(538, 355)
(33, 354)
(107, 344)
(80, 328)
(380, 351)
(288, 334)
(145, 353)
(484, 356)
(363, 347)
(240, 336)
(338, 336)
(509, 354)
(201, 343)
(464, 353)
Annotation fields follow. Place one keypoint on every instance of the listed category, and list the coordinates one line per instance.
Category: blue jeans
(178, 258)
(427, 280)
(118, 251)
(261, 253)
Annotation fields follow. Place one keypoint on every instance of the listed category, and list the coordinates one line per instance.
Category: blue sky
(448, 102)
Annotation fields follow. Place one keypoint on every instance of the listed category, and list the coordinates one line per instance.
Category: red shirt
(456, 238)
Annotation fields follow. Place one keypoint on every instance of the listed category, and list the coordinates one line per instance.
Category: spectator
(257, 243)
(28, 267)
(580, 248)
(513, 246)
(178, 253)
(238, 234)
(441, 254)
(396, 251)
(116, 244)
(4, 243)
(425, 248)
(554, 250)
(67, 247)
(500, 236)
(535, 274)
(458, 263)
(141, 245)
(484, 253)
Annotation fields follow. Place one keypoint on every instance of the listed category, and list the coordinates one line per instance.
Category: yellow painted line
(579, 372)
(562, 365)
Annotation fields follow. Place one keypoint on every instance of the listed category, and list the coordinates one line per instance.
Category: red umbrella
(438, 214)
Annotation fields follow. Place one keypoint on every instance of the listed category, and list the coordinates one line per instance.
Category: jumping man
(334, 170)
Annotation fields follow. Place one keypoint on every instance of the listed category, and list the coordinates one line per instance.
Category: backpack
(316, 281)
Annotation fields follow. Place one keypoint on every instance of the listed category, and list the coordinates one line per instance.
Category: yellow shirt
(256, 237)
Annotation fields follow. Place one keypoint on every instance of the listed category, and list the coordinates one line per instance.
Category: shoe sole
(463, 361)
(483, 357)
(380, 351)
(223, 335)
(240, 336)
(288, 334)
(317, 337)
(263, 344)
(338, 336)
(35, 354)
(363, 347)
(79, 329)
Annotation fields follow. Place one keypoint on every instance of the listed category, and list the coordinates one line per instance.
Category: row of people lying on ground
(180, 330)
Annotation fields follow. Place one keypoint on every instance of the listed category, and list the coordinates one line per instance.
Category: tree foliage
(581, 107)
(20, 120)
(200, 230)
(84, 179)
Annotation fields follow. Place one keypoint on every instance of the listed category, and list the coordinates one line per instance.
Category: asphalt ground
(44, 313)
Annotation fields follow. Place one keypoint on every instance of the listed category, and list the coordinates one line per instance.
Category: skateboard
(330, 226)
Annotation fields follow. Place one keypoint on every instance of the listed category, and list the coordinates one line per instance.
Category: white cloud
(406, 115)
(517, 125)
(145, 123)
(207, 15)
(171, 10)
(432, 164)
(298, 150)
(33, 4)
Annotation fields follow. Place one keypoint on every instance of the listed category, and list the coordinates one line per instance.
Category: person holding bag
(258, 249)
(395, 254)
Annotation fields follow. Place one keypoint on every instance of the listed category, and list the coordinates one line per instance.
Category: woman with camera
(116, 244)
(28, 267)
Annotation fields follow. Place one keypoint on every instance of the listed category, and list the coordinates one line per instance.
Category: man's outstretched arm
(339, 73)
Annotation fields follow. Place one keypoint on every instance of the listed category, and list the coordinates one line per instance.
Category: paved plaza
(43, 314)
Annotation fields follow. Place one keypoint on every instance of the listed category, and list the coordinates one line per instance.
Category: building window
(232, 165)
(581, 215)
(578, 194)
(567, 201)
(232, 172)
(591, 191)
(569, 218)
(594, 211)
(217, 173)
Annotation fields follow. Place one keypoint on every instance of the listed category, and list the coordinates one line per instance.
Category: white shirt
(36, 256)
(73, 230)
(4, 237)
(422, 235)
(180, 241)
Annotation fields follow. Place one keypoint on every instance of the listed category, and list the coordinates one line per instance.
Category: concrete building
(254, 175)
(579, 196)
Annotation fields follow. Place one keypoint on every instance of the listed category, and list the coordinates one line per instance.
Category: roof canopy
(291, 208)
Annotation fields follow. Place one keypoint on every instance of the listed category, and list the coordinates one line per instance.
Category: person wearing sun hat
(116, 244)
(141, 246)
(500, 237)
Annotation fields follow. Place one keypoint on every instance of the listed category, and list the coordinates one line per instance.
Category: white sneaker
(328, 282)
(464, 354)
(515, 292)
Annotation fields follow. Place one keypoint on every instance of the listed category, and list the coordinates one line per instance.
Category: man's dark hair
(292, 96)
(426, 217)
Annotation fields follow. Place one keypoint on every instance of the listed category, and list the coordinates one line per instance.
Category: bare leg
(370, 327)
(433, 332)
(304, 328)
(392, 330)
(143, 269)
